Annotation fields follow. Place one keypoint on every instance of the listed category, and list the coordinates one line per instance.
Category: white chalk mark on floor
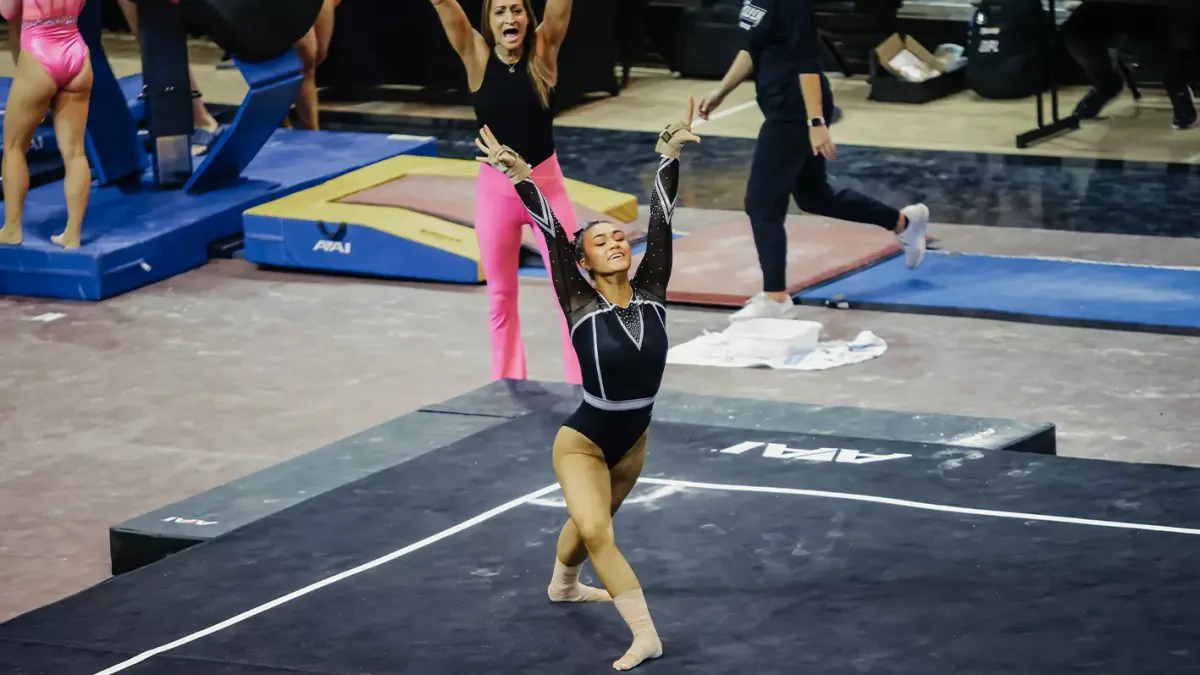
(956, 457)
(976, 439)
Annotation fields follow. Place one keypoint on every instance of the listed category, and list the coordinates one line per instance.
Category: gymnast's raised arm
(654, 271)
(574, 292)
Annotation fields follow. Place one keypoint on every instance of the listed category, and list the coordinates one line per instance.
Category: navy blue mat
(1038, 290)
(137, 235)
(786, 558)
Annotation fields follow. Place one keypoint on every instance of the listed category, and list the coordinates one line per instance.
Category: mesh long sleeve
(654, 271)
(574, 292)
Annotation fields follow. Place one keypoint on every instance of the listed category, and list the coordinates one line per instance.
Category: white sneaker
(912, 240)
(761, 306)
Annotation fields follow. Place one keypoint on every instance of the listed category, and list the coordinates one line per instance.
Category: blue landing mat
(135, 235)
(1035, 290)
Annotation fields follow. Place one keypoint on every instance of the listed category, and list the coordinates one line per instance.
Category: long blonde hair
(538, 74)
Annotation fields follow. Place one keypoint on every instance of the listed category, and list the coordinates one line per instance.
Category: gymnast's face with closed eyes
(602, 249)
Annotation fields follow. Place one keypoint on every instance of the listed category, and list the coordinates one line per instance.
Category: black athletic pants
(631, 30)
(784, 165)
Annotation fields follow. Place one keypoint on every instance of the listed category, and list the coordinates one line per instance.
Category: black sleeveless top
(508, 104)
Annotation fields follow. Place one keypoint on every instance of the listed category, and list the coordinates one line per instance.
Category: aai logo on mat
(332, 243)
(781, 451)
(188, 521)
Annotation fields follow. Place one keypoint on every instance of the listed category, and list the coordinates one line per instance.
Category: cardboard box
(909, 73)
(907, 60)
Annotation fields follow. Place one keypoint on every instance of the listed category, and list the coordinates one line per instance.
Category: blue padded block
(359, 250)
(113, 148)
(1039, 290)
(273, 86)
(136, 235)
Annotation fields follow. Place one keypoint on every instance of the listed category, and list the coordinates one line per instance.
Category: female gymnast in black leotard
(618, 330)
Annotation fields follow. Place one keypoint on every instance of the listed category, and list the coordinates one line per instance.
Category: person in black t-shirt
(780, 52)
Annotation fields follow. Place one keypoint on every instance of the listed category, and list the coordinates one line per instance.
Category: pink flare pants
(499, 216)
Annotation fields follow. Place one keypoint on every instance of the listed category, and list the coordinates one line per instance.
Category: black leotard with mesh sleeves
(622, 351)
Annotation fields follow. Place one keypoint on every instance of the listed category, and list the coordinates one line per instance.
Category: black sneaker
(1095, 99)
(1185, 109)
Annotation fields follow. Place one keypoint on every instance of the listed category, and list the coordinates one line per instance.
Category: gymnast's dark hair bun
(578, 241)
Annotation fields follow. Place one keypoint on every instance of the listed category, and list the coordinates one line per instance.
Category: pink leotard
(50, 33)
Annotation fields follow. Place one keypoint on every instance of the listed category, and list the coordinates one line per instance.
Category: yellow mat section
(411, 225)
(617, 205)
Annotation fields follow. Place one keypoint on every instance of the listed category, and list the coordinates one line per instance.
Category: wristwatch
(816, 122)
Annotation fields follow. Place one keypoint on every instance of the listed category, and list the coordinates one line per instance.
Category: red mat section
(718, 265)
(452, 198)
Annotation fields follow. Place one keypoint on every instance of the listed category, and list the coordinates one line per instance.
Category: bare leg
(31, 92)
(312, 49)
(587, 488)
(571, 550)
(70, 123)
(306, 100)
(201, 118)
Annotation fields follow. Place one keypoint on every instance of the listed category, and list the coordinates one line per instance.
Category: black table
(1070, 122)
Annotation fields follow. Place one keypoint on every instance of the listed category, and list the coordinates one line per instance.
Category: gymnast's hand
(501, 157)
(677, 133)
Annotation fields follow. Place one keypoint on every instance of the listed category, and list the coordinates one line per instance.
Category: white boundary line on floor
(919, 505)
(534, 497)
(507, 506)
(724, 113)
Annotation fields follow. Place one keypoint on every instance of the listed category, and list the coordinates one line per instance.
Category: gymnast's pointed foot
(565, 586)
(646, 644)
(10, 233)
(68, 239)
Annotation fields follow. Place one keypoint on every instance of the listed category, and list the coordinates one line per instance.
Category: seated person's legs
(1183, 34)
(1089, 33)
(1161, 37)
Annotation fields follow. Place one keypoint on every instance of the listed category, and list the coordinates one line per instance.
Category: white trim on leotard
(628, 404)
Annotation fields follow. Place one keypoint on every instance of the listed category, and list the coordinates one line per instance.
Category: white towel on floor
(713, 349)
